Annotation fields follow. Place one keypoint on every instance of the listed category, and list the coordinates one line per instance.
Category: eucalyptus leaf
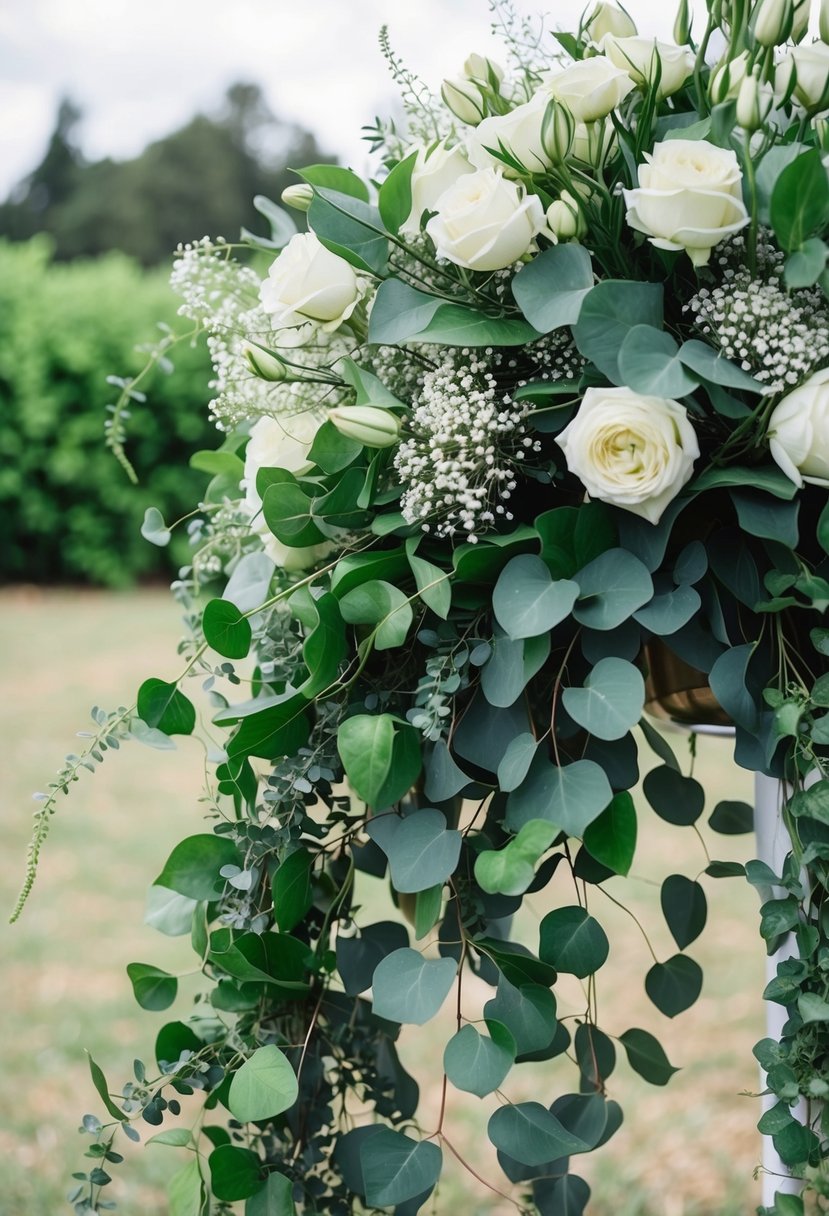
(263, 1087)
(573, 941)
(409, 988)
(422, 851)
(611, 701)
(475, 1063)
(527, 602)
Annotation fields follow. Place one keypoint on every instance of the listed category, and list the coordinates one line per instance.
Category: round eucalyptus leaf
(649, 363)
(647, 1057)
(529, 1133)
(235, 1173)
(396, 1168)
(422, 851)
(527, 602)
(193, 868)
(410, 989)
(732, 818)
(380, 604)
(674, 986)
(528, 1012)
(684, 907)
(475, 1063)
(611, 588)
(153, 988)
(570, 797)
(263, 1087)
(573, 941)
(676, 799)
(225, 629)
(163, 706)
(611, 701)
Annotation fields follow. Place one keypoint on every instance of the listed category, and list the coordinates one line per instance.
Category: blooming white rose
(640, 57)
(309, 283)
(436, 169)
(811, 65)
(798, 432)
(521, 132)
(608, 19)
(282, 445)
(590, 88)
(485, 222)
(633, 451)
(689, 197)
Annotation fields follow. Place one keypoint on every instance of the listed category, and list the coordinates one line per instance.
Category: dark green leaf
(684, 907)
(381, 758)
(193, 867)
(800, 200)
(226, 630)
(646, 1057)
(396, 1168)
(235, 1173)
(528, 1011)
(676, 799)
(395, 196)
(529, 1133)
(163, 707)
(351, 228)
(573, 941)
(100, 1083)
(674, 986)
(292, 895)
(382, 605)
(732, 818)
(611, 838)
(153, 988)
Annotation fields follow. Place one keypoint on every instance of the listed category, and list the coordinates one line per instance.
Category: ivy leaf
(645, 1056)
(225, 629)
(422, 852)
(684, 907)
(263, 1087)
(475, 1062)
(153, 988)
(674, 986)
(527, 602)
(164, 707)
(396, 1168)
(611, 701)
(410, 989)
(573, 941)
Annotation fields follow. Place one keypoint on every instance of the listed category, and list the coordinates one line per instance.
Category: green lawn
(687, 1150)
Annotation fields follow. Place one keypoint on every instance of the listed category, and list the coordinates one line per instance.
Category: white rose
(632, 451)
(436, 169)
(689, 197)
(639, 57)
(281, 445)
(485, 222)
(520, 133)
(590, 88)
(608, 19)
(309, 283)
(811, 65)
(798, 432)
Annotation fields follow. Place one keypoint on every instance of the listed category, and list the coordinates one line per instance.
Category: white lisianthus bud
(263, 363)
(565, 218)
(436, 168)
(811, 65)
(590, 88)
(689, 197)
(369, 425)
(800, 20)
(823, 21)
(633, 451)
(464, 99)
(785, 79)
(773, 22)
(726, 79)
(299, 196)
(682, 24)
(485, 222)
(644, 59)
(754, 102)
(309, 283)
(485, 71)
(608, 19)
(537, 134)
(798, 432)
(820, 126)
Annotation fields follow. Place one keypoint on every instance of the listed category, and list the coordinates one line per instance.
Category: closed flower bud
(753, 103)
(369, 425)
(558, 129)
(565, 218)
(485, 71)
(820, 126)
(800, 20)
(726, 79)
(823, 21)
(298, 196)
(464, 99)
(264, 364)
(608, 19)
(682, 23)
(773, 22)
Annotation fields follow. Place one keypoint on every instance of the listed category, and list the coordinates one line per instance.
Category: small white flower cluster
(778, 336)
(458, 468)
(222, 296)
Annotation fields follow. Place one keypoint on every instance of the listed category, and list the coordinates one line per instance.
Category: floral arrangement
(545, 400)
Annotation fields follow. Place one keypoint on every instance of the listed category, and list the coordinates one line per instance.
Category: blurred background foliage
(85, 250)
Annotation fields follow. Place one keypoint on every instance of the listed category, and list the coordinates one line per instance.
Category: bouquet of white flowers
(546, 399)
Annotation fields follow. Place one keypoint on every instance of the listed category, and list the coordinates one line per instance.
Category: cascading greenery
(423, 650)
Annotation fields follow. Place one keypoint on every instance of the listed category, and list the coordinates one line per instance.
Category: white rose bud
(485, 71)
(590, 88)
(773, 22)
(800, 20)
(644, 59)
(485, 222)
(608, 19)
(309, 283)
(369, 425)
(689, 197)
(299, 196)
(264, 364)
(726, 79)
(633, 451)
(798, 432)
(436, 168)
(537, 134)
(682, 24)
(565, 218)
(284, 445)
(464, 99)
(811, 65)
(754, 103)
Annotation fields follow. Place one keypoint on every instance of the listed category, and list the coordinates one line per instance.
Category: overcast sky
(140, 68)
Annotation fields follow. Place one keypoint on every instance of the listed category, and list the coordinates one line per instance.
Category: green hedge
(69, 512)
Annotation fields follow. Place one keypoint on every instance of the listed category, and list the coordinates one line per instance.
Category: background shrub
(69, 512)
